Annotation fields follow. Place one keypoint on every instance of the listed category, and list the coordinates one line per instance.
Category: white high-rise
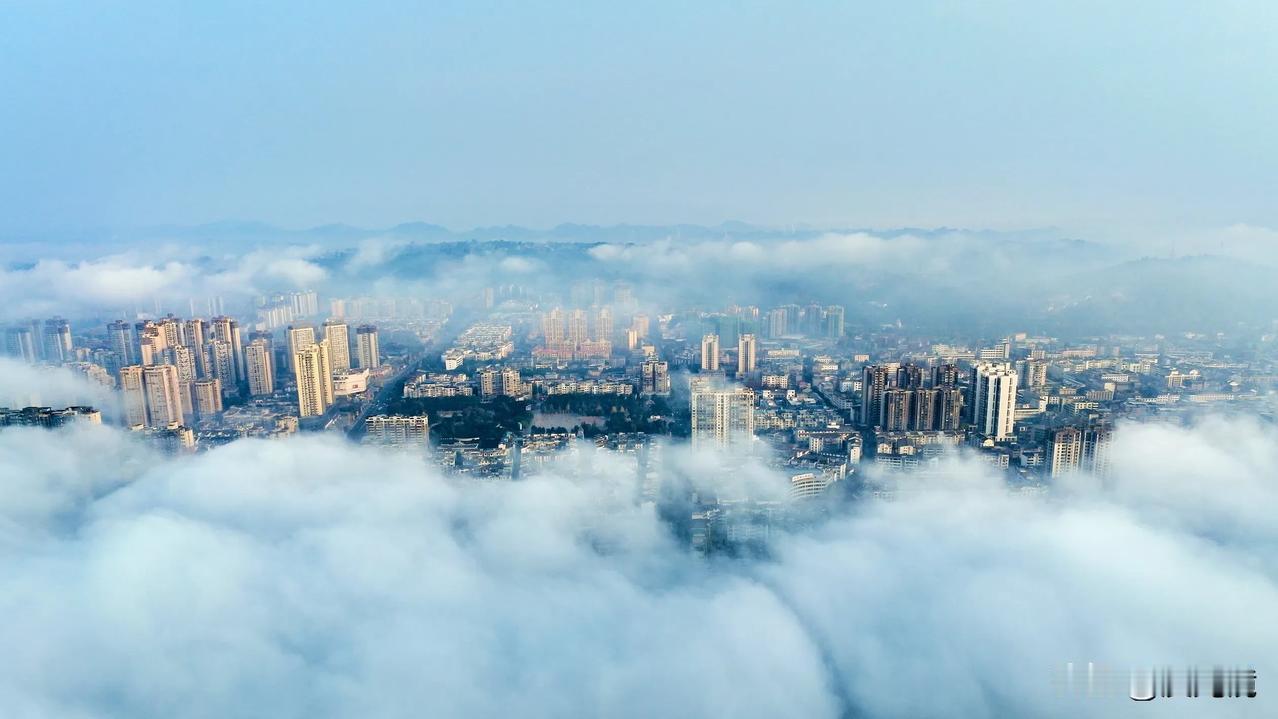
(339, 344)
(369, 353)
(994, 400)
(722, 417)
(395, 431)
(710, 353)
(747, 354)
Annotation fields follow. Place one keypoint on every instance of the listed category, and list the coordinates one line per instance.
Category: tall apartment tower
(260, 364)
(120, 339)
(777, 322)
(134, 391)
(747, 354)
(710, 353)
(314, 379)
(722, 418)
(994, 400)
(834, 321)
(299, 338)
(603, 324)
(367, 350)
(163, 395)
(1067, 451)
(219, 362)
(654, 377)
(19, 342)
(228, 330)
(208, 396)
(1096, 442)
(184, 360)
(875, 380)
(57, 340)
(339, 344)
(897, 405)
(1080, 448)
(552, 327)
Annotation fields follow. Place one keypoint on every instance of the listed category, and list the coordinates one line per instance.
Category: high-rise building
(909, 376)
(923, 410)
(304, 303)
(1096, 442)
(1080, 448)
(813, 320)
(227, 330)
(710, 353)
(946, 375)
(1066, 451)
(777, 323)
(553, 327)
(299, 338)
(208, 397)
(896, 410)
(134, 391)
(57, 340)
(722, 417)
(197, 333)
(949, 409)
(834, 321)
(184, 360)
(603, 325)
(747, 354)
(489, 381)
(151, 343)
(339, 344)
(120, 339)
(654, 377)
(260, 363)
(875, 380)
(1033, 373)
(314, 379)
(163, 395)
(395, 431)
(19, 342)
(994, 400)
(220, 362)
(368, 351)
(578, 327)
(173, 330)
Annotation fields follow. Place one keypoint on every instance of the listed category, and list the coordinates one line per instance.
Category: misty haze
(545, 360)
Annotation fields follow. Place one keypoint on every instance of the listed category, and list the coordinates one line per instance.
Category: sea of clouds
(312, 577)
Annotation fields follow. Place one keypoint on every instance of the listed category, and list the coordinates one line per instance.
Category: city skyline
(535, 359)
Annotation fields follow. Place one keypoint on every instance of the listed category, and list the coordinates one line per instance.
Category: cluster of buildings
(829, 407)
(186, 379)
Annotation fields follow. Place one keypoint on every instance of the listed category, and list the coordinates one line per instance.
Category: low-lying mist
(307, 577)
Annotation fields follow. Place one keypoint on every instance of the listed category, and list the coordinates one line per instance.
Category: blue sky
(996, 114)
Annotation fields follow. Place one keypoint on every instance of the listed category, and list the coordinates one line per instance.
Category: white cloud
(310, 577)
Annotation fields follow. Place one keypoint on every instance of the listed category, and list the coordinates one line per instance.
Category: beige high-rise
(134, 395)
(261, 367)
(314, 379)
(163, 397)
(339, 344)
